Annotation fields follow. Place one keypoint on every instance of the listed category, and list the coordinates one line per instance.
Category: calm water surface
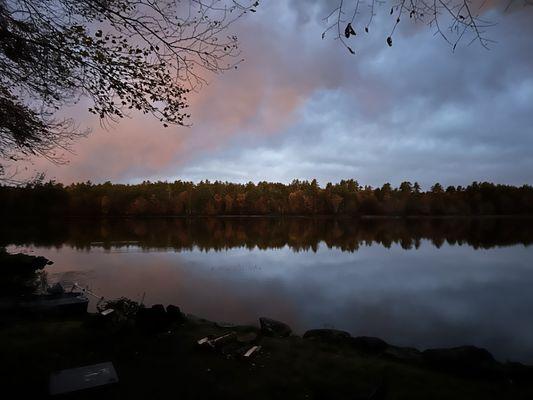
(415, 282)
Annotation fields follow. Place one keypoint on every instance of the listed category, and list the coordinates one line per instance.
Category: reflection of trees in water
(264, 233)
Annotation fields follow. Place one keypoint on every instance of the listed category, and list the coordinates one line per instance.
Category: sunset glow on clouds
(302, 107)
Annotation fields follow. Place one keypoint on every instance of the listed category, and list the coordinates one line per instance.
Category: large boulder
(369, 344)
(332, 336)
(152, 319)
(462, 354)
(175, 315)
(464, 360)
(271, 327)
(519, 373)
(405, 354)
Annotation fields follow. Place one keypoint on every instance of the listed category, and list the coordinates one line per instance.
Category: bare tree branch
(454, 20)
(144, 55)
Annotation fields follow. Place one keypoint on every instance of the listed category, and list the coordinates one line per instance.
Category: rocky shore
(465, 361)
(158, 353)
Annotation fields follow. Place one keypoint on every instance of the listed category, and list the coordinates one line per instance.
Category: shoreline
(157, 347)
(28, 218)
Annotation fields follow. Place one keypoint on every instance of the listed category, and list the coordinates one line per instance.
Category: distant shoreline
(268, 216)
(299, 198)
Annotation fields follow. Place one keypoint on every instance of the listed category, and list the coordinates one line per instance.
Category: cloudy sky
(303, 107)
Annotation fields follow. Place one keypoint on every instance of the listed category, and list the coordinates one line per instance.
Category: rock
(518, 372)
(369, 344)
(158, 308)
(333, 336)
(175, 315)
(464, 360)
(152, 319)
(463, 354)
(271, 327)
(405, 354)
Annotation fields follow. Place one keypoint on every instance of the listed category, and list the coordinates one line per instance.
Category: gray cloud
(301, 107)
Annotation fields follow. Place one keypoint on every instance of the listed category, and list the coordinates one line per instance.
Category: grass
(169, 365)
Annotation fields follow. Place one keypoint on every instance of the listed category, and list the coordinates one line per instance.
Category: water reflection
(270, 233)
(435, 294)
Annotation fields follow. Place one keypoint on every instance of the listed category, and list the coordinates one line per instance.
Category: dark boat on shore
(64, 303)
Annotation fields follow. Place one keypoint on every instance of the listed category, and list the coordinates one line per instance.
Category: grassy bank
(169, 364)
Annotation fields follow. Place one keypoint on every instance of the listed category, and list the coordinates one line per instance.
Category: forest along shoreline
(166, 343)
(206, 198)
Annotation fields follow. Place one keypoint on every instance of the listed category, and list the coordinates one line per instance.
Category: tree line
(181, 198)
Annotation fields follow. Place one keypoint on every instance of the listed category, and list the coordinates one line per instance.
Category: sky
(300, 107)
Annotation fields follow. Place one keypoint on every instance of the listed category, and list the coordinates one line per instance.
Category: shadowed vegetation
(297, 198)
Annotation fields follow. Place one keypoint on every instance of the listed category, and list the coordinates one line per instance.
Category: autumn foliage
(297, 198)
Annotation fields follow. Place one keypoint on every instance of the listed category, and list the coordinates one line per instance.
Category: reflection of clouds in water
(429, 297)
(237, 267)
(70, 278)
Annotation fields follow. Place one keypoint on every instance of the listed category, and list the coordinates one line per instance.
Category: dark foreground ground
(166, 363)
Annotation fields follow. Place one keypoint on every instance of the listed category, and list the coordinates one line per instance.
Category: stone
(271, 327)
(369, 344)
(518, 372)
(175, 315)
(333, 336)
(462, 354)
(152, 319)
(405, 354)
(158, 308)
(464, 360)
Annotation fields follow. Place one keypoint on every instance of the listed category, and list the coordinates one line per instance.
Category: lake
(430, 282)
